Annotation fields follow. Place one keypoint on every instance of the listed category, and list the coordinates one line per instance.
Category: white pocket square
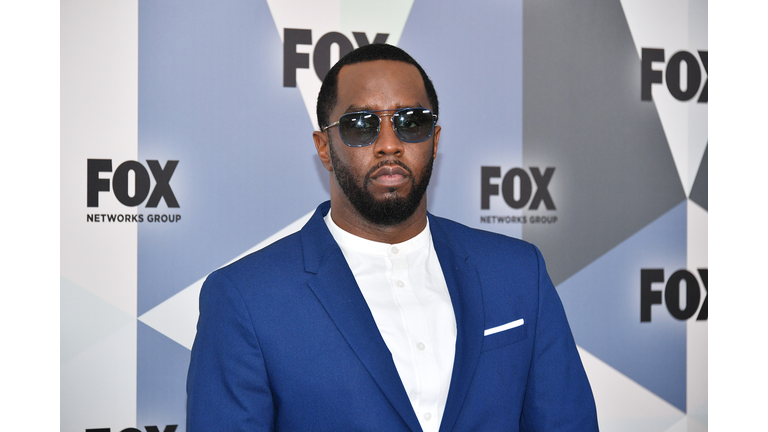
(501, 328)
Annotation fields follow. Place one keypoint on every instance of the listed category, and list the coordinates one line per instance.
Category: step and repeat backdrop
(580, 126)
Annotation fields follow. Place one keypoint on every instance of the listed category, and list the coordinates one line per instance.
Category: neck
(346, 217)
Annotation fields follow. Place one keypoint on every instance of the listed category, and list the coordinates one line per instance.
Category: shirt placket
(421, 345)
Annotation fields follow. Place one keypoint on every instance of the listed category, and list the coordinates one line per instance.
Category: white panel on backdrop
(86, 319)
(99, 120)
(697, 370)
(687, 425)
(697, 336)
(677, 25)
(99, 102)
(343, 16)
(98, 386)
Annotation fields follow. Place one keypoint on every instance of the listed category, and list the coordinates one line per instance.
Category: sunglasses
(359, 129)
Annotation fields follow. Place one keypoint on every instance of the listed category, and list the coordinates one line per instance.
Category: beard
(393, 209)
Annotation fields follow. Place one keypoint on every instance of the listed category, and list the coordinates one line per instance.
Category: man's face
(384, 182)
(394, 207)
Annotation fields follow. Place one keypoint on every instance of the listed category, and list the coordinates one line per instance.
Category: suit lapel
(464, 288)
(336, 288)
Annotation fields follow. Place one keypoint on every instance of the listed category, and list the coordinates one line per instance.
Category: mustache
(385, 163)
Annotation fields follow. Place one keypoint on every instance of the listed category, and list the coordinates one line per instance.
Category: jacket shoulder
(483, 244)
(284, 256)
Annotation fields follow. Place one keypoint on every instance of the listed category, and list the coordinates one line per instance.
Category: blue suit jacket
(286, 342)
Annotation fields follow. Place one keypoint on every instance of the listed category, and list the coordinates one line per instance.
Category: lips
(390, 176)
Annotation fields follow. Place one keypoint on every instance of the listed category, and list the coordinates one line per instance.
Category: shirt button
(427, 416)
(394, 250)
(421, 347)
(400, 283)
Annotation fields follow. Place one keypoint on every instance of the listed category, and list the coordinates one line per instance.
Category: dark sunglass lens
(359, 129)
(414, 125)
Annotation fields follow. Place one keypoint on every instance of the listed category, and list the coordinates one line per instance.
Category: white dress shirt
(406, 292)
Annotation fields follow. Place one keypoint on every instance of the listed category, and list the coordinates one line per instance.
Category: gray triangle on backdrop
(700, 189)
(582, 115)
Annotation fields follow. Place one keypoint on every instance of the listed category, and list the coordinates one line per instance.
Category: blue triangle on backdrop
(161, 388)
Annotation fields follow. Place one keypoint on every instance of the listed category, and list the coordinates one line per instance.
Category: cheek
(355, 163)
(424, 155)
(358, 164)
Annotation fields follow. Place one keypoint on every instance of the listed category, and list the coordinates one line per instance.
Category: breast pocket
(505, 337)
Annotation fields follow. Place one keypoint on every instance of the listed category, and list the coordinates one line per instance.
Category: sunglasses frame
(378, 129)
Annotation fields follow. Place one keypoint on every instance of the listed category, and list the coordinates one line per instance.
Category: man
(378, 316)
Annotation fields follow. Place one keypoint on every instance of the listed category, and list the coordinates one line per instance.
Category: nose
(388, 143)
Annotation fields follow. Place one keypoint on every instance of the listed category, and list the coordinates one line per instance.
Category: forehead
(380, 84)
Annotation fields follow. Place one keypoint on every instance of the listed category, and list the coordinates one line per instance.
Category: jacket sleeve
(558, 396)
(227, 384)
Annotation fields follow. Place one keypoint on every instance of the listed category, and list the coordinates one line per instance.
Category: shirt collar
(358, 244)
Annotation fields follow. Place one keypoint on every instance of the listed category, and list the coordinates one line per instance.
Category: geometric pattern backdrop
(578, 126)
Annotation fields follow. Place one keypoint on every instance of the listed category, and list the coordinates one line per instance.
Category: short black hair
(326, 99)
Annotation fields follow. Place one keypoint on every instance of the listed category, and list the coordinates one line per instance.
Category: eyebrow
(363, 108)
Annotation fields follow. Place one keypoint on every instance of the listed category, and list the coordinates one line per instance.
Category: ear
(435, 139)
(321, 145)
